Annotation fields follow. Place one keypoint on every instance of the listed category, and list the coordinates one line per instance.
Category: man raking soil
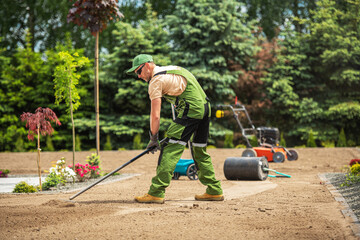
(179, 87)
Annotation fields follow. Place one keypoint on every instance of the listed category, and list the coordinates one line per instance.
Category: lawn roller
(116, 170)
(267, 137)
(249, 168)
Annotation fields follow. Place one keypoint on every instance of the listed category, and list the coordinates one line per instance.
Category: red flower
(354, 161)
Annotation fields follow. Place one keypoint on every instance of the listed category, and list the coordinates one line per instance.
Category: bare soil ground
(300, 207)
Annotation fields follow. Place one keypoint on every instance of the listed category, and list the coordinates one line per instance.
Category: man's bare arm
(155, 115)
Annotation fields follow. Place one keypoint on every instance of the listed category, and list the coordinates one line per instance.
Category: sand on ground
(300, 207)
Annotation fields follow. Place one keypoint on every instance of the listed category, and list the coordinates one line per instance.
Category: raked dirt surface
(300, 207)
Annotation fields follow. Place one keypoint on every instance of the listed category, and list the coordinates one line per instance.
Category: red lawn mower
(267, 138)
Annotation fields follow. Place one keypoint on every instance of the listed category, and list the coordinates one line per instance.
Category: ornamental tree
(94, 15)
(66, 79)
(39, 123)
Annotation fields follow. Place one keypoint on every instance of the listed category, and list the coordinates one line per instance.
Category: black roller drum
(246, 168)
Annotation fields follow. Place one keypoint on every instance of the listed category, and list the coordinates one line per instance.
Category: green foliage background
(296, 68)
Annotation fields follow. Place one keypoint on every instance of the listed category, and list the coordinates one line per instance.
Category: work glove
(154, 144)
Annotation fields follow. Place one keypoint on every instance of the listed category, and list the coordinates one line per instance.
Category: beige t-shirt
(166, 84)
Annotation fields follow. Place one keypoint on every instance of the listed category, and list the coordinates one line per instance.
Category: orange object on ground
(268, 152)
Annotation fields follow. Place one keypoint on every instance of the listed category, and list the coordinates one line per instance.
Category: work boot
(149, 199)
(208, 197)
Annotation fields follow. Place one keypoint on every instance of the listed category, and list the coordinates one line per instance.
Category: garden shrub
(353, 176)
(328, 144)
(84, 172)
(253, 141)
(240, 146)
(354, 161)
(59, 175)
(23, 187)
(355, 169)
(107, 145)
(77, 143)
(351, 143)
(19, 145)
(342, 139)
(282, 140)
(65, 173)
(4, 172)
(311, 140)
(93, 159)
(51, 181)
(228, 143)
(49, 144)
(137, 142)
(94, 165)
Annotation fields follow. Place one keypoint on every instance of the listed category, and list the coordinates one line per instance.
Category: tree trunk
(73, 125)
(97, 94)
(38, 160)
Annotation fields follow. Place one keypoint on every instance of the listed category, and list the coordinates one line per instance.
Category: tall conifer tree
(208, 36)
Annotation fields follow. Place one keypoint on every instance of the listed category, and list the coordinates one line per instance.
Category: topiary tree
(311, 141)
(94, 15)
(342, 139)
(49, 144)
(39, 123)
(253, 141)
(137, 141)
(282, 140)
(77, 143)
(107, 145)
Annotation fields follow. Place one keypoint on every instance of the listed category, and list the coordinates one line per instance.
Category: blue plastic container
(186, 167)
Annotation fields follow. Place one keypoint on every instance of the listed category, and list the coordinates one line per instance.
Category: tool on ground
(249, 168)
(116, 170)
(245, 168)
(267, 137)
(280, 174)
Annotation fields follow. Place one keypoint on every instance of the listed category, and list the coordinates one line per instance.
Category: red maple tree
(94, 14)
(39, 123)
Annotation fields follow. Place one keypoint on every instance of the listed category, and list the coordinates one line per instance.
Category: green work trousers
(179, 133)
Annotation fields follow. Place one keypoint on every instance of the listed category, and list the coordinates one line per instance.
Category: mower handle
(240, 108)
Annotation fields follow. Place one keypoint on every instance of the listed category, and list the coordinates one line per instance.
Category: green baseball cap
(138, 60)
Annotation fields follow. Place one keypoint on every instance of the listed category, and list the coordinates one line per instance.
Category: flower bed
(4, 172)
